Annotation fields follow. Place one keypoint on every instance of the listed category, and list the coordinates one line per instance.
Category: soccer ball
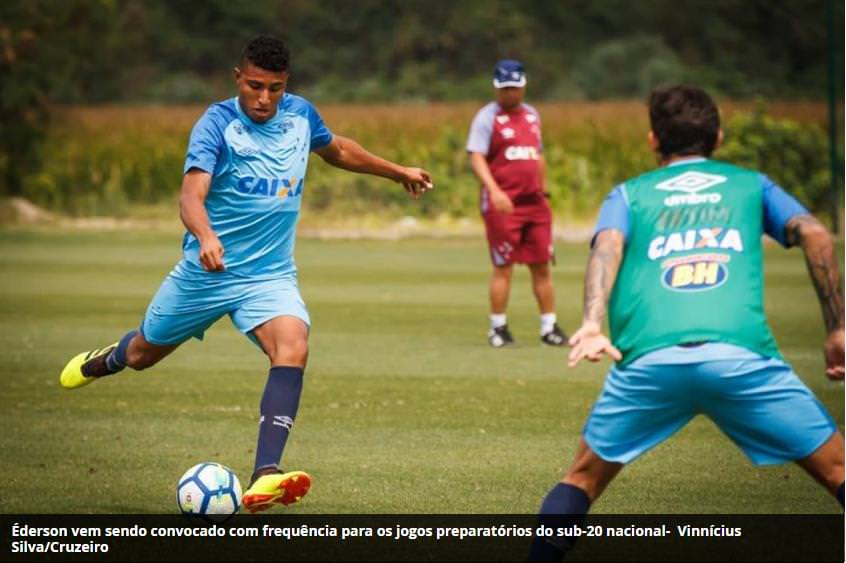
(209, 490)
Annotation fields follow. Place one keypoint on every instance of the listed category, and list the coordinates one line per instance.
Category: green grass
(405, 407)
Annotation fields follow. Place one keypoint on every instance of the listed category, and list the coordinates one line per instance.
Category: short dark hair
(684, 119)
(267, 52)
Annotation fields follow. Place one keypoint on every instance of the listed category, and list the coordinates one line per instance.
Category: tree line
(177, 51)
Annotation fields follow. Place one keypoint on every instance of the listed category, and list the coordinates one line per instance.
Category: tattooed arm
(603, 264)
(817, 243)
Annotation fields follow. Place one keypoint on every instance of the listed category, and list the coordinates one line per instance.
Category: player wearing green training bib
(676, 259)
(693, 248)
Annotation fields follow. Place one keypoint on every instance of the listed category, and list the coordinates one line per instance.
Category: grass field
(405, 407)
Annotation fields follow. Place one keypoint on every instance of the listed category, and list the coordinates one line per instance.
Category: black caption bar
(419, 538)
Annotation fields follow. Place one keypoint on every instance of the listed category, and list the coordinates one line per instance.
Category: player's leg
(500, 288)
(542, 287)
(569, 501)
(826, 465)
(178, 311)
(141, 354)
(276, 318)
(590, 473)
(131, 350)
(763, 406)
(640, 406)
(285, 341)
(503, 240)
(550, 333)
(536, 250)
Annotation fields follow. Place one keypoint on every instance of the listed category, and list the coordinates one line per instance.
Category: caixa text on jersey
(270, 187)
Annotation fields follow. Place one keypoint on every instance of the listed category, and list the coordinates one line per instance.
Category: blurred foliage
(382, 50)
(109, 160)
(609, 71)
(40, 55)
(155, 51)
(112, 160)
(793, 155)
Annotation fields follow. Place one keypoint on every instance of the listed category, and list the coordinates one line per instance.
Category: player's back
(692, 268)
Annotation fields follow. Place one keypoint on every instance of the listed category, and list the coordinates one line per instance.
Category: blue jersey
(258, 173)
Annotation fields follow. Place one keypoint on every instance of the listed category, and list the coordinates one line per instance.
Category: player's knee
(592, 476)
(292, 352)
(503, 272)
(586, 482)
(540, 270)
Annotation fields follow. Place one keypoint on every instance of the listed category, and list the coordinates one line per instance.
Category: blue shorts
(758, 402)
(185, 307)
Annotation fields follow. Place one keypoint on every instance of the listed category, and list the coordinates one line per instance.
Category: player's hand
(589, 343)
(501, 202)
(833, 351)
(416, 181)
(211, 254)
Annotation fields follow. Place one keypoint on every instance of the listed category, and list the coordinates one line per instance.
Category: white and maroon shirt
(512, 145)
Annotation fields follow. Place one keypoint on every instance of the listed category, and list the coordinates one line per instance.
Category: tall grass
(112, 160)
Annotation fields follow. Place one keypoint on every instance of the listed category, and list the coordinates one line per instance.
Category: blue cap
(509, 72)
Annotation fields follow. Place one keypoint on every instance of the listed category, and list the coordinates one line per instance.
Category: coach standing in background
(506, 153)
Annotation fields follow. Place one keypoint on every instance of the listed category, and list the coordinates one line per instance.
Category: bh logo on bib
(695, 273)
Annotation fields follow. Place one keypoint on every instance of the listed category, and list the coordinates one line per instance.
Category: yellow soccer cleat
(276, 488)
(73, 376)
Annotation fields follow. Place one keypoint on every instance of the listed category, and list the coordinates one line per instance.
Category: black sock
(113, 362)
(116, 361)
(564, 506)
(840, 494)
(278, 409)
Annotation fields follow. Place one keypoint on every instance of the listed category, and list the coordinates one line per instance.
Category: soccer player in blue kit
(677, 262)
(241, 195)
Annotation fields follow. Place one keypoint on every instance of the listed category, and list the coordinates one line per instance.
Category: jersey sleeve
(779, 208)
(206, 143)
(614, 213)
(320, 133)
(479, 139)
(538, 117)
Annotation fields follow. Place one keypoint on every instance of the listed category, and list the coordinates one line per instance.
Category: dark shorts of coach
(523, 236)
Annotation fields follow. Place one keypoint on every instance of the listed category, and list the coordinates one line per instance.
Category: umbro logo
(691, 182)
(284, 421)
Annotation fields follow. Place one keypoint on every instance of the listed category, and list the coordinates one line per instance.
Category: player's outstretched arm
(349, 155)
(603, 264)
(818, 245)
(192, 211)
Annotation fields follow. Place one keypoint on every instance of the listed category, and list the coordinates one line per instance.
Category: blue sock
(840, 494)
(564, 506)
(278, 409)
(116, 361)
